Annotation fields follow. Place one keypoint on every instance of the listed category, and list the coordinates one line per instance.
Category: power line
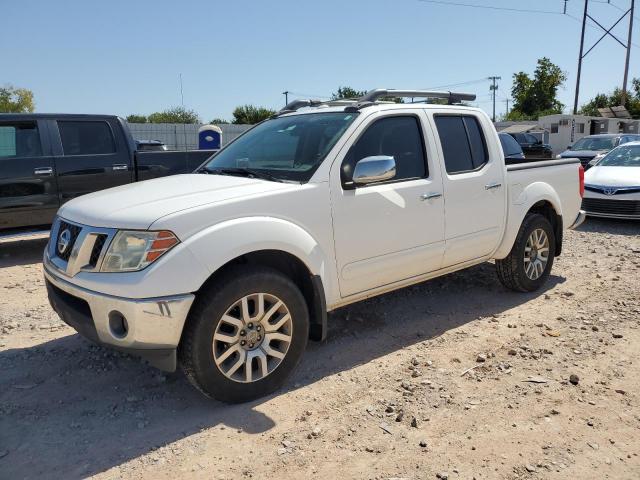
(491, 7)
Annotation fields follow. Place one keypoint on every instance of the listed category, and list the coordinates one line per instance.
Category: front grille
(612, 207)
(74, 230)
(614, 190)
(97, 249)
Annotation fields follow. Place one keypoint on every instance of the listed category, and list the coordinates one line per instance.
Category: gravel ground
(453, 378)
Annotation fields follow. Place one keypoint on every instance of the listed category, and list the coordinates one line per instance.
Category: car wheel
(529, 263)
(245, 334)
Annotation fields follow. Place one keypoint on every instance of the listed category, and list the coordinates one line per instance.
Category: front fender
(519, 207)
(225, 241)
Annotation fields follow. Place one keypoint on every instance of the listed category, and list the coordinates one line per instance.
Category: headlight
(134, 250)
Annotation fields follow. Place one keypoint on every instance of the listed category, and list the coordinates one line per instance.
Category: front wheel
(529, 263)
(245, 335)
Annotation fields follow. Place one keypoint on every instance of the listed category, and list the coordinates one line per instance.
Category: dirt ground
(453, 378)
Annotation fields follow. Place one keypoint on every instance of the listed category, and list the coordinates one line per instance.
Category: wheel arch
(273, 243)
(310, 285)
(539, 197)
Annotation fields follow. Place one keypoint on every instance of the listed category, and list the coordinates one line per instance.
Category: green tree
(219, 121)
(133, 118)
(250, 114)
(16, 100)
(174, 115)
(347, 93)
(614, 99)
(537, 96)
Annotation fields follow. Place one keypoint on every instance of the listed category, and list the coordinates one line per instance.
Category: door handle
(429, 196)
(120, 167)
(43, 171)
(491, 186)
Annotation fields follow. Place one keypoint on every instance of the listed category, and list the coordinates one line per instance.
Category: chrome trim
(81, 250)
(610, 190)
(582, 215)
(153, 323)
(430, 196)
(373, 169)
(43, 171)
(491, 186)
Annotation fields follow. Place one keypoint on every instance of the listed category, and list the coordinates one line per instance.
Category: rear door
(91, 155)
(28, 191)
(474, 190)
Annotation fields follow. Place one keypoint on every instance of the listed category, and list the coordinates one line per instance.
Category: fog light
(118, 324)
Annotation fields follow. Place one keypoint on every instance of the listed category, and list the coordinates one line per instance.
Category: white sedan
(612, 186)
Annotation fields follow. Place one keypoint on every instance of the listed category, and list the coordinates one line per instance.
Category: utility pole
(626, 65)
(565, 7)
(286, 97)
(493, 89)
(507, 102)
(584, 25)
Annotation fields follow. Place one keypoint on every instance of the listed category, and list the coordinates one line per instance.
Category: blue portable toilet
(209, 137)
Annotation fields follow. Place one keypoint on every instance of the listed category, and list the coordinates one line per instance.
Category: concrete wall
(178, 136)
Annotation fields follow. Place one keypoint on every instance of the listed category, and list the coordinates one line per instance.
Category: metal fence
(178, 136)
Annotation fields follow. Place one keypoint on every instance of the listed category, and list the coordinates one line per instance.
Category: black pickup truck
(47, 159)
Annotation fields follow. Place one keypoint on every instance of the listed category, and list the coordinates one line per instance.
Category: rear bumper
(582, 215)
(151, 328)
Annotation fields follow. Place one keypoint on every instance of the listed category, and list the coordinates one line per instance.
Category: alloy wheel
(252, 337)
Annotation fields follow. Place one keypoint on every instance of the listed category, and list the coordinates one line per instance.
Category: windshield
(595, 143)
(285, 148)
(626, 156)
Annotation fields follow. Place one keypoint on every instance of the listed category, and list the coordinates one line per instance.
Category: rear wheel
(245, 335)
(529, 263)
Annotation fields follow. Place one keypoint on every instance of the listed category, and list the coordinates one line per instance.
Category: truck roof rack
(373, 96)
(451, 97)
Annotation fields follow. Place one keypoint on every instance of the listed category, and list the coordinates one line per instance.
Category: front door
(89, 156)
(475, 198)
(28, 191)
(388, 231)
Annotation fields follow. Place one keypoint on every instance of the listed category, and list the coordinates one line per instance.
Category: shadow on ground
(113, 408)
(610, 225)
(22, 252)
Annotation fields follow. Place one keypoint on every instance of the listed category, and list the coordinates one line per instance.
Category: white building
(564, 130)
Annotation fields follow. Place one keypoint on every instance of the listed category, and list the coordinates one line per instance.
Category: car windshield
(625, 156)
(595, 143)
(287, 148)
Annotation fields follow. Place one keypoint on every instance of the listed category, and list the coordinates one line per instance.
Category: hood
(138, 205)
(613, 176)
(581, 153)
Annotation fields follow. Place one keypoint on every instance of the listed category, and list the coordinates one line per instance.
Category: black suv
(532, 146)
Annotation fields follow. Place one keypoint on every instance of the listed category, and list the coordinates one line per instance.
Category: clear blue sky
(124, 57)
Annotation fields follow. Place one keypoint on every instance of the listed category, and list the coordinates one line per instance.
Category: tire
(211, 347)
(514, 271)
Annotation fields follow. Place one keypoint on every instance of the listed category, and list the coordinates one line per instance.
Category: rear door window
(463, 143)
(86, 138)
(20, 140)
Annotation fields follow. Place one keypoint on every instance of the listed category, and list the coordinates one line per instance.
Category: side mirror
(374, 169)
(569, 147)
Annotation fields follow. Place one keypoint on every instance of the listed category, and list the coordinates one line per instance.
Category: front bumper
(582, 215)
(151, 328)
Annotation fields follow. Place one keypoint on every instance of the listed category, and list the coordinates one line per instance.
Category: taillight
(581, 177)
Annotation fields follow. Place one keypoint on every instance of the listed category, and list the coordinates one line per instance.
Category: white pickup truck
(230, 270)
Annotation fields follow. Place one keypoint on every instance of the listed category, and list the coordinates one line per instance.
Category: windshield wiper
(243, 172)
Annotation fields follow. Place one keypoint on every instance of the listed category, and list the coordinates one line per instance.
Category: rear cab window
(86, 138)
(463, 143)
(509, 145)
(20, 139)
